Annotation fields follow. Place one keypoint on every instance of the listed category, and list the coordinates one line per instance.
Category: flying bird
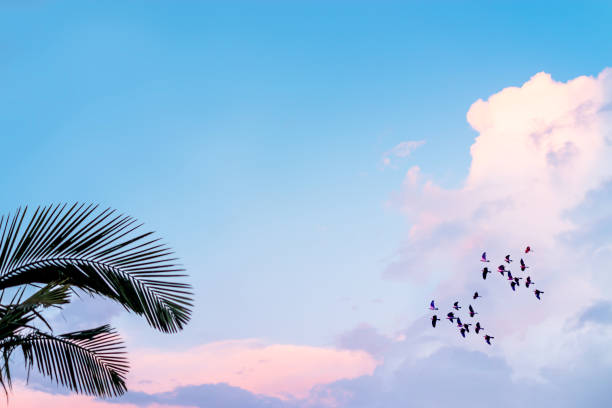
(528, 281)
(501, 269)
(528, 249)
(462, 331)
(516, 279)
(434, 319)
(523, 267)
(432, 306)
(472, 312)
(451, 317)
(488, 338)
(510, 276)
(478, 327)
(484, 272)
(459, 324)
(508, 260)
(513, 285)
(484, 257)
(537, 293)
(466, 326)
(476, 296)
(456, 305)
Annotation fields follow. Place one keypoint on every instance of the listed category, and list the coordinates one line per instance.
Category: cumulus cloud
(401, 150)
(540, 164)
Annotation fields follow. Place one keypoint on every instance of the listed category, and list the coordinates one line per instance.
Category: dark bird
(462, 331)
(472, 312)
(528, 250)
(484, 257)
(537, 293)
(434, 319)
(432, 306)
(451, 317)
(488, 338)
(456, 305)
(523, 267)
(501, 269)
(516, 279)
(459, 324)
(528, 281)
(513, 285)
(476, 296)
(478, 327)
(466, 326)
(510, 276)
(508, 260)
(484, 272)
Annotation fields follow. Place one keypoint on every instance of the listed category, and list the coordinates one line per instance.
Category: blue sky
(251, 136)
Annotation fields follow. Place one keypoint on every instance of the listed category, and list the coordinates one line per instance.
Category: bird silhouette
(510, 276)
(451, 317)
(488, 338)
(501, 269)
(537, 293)
(456, 305)
(462, 331)
(459, 324)
(513, 285)
(484, 257)
(434, 319)
(528, 250)
(472, 312)
(516, 279)
(476, 296)
(528, 282)
(478, 327)
(466, 326)
(523, 267)
(507, 259)
(484, 272)
(432, 306)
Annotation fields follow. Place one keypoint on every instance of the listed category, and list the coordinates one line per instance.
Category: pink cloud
(25, 397)
(541, 149)
(275, 370)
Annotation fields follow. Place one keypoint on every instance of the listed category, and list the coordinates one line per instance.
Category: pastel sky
(324, 169)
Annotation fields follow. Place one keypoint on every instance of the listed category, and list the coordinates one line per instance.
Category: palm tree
(61, 250)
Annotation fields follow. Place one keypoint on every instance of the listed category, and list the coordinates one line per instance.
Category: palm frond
(100, 252)
(90, 361)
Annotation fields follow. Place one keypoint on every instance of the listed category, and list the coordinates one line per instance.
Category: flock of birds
(514, 283)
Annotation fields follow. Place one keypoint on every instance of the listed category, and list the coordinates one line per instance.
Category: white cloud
(402, 150)
(542, 149)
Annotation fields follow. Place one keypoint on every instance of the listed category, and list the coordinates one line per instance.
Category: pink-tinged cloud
(541, 149)
(277, 370)
(27, 397)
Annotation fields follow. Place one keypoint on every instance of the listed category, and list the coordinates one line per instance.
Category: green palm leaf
(100, 252)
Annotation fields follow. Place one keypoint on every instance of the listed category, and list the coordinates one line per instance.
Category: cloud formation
(401, 150)
(540, 166)
(279, 370)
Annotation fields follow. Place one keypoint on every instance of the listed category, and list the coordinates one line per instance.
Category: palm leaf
(100, 252)
(17, 317)
(90, 361)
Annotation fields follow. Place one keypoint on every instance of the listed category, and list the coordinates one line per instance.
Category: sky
(323, 170)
